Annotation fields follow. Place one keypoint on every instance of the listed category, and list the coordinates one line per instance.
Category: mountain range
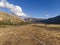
(53, 20)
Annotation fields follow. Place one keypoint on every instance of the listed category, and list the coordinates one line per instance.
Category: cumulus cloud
(17, 10)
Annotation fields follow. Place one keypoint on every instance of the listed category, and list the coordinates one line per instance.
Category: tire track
(36, 39)
(33, 37)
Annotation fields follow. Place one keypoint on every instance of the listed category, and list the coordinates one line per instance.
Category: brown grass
(21, 35)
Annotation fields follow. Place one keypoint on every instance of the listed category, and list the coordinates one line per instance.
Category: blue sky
(38, 8)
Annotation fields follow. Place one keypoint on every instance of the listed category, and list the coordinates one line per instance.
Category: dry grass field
(32, 34)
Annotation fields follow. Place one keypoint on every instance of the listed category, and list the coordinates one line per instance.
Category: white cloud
(17, 10)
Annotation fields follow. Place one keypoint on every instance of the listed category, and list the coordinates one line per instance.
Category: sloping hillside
(53, 20)
(9, 19)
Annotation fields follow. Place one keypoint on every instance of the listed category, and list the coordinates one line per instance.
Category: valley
(29, 22)
(31, 34)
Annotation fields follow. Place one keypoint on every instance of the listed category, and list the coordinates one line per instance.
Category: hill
(54, 20)
(6, 18)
